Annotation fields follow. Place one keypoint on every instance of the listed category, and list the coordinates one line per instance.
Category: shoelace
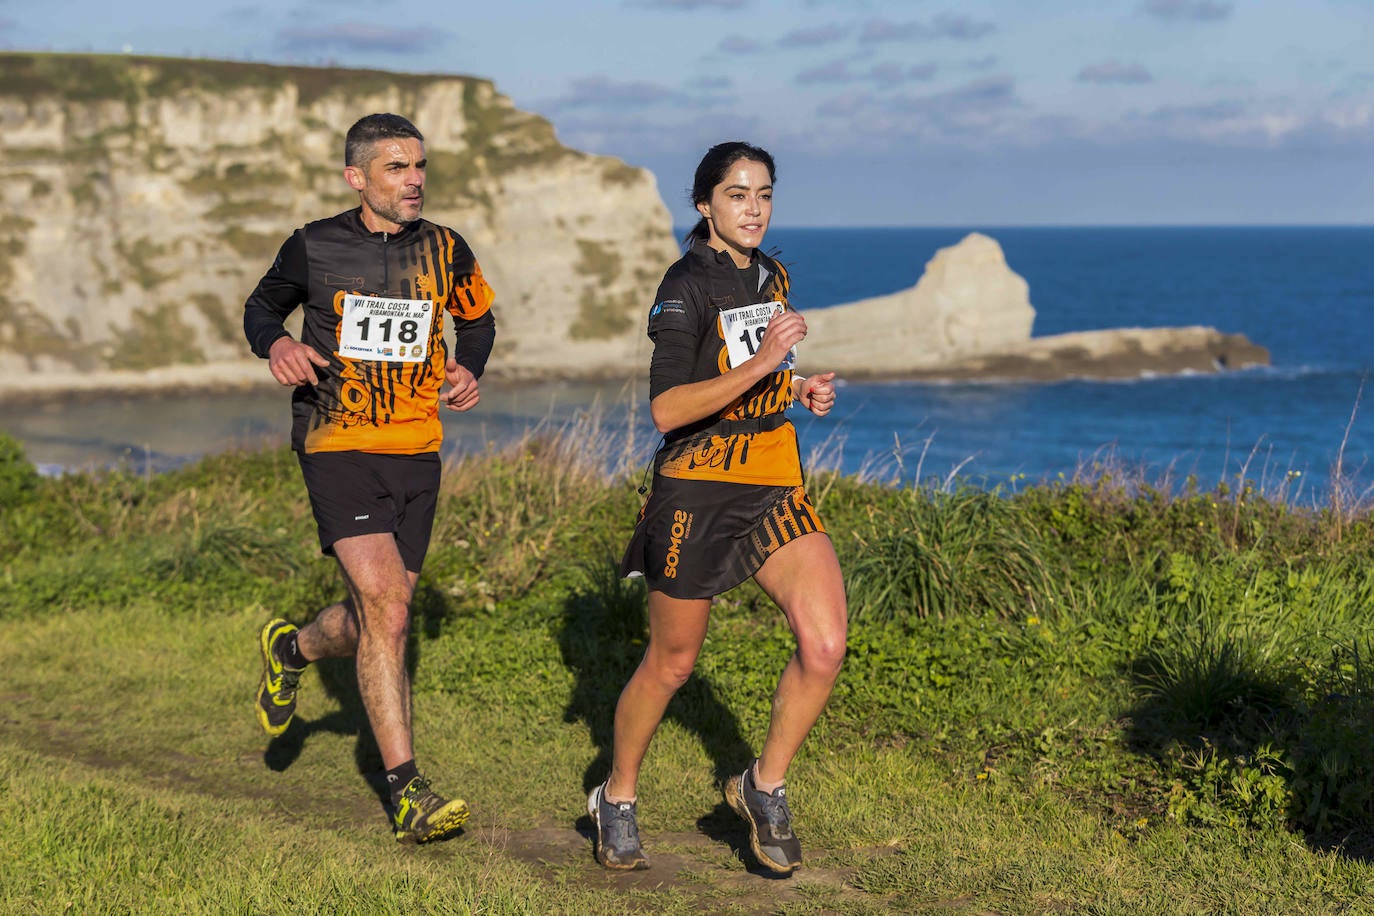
(419, 791)
(623, 827)
(776, 812)
(290, 677)
(423, 801)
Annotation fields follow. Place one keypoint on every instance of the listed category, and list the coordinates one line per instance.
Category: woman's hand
(785, 330)
(817, 393)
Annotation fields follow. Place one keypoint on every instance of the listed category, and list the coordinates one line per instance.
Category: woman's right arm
(681, 404)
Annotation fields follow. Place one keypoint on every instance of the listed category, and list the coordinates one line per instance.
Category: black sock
(288, 653)
(397, 778)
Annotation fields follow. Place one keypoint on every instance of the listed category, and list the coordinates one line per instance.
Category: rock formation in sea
(969, 316)
(142, 198)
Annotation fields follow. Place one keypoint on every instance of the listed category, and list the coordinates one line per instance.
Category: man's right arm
(279, 292)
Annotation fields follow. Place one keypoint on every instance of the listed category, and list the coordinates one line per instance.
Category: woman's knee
(670, 669)
(821, 650)
(823, 657)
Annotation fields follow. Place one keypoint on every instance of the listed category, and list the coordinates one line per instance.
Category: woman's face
(739, 210)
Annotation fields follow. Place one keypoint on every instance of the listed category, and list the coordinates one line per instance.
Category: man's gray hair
(364, 134)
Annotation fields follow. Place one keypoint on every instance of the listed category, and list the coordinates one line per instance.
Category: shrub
(938, 554)
(18, 478)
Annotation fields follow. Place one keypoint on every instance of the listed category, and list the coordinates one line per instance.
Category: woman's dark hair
(711, 171)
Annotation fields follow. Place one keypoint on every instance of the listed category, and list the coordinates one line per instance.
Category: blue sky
(879, 112)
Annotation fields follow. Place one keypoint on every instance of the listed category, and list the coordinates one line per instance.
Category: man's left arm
(474, 329)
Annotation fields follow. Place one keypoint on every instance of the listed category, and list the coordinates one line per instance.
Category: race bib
(391, 330)
(743, 329)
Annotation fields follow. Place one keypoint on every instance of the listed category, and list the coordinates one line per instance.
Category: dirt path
(747, 887)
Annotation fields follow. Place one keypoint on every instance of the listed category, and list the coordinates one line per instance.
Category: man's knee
(385, 616)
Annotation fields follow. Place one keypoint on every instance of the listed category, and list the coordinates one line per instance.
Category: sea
(1292, 429)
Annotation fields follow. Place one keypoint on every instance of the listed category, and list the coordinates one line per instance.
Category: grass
(1092, 696)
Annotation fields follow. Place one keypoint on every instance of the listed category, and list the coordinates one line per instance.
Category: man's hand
(817, 393)
(293, 363)
(462, 393)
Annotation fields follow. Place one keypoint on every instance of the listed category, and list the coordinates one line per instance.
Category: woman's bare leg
(677, 628)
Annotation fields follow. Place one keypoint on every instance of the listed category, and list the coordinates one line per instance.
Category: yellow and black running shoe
(277, 690)
(421, 815)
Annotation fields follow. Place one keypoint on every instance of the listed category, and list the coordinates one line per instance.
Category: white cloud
(886, 73)
(836, 71)
(689, 5)
(813, 37)
(1187, 10)
(962, 28)
(880, 30)
(945, 25)
(599, 92)
(359, 37)
(1113, 71)
(739, 44)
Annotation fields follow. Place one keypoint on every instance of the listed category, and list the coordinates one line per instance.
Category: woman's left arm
(815, 392)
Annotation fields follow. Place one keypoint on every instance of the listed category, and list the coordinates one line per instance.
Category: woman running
(727, 502)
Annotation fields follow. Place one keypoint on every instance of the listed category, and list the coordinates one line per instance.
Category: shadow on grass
(1244, 746)
(602, 639)
(339, 677)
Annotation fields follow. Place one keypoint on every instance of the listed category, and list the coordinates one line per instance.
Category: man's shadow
(339, 677)
(604, 633)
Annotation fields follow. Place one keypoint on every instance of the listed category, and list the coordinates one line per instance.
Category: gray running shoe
(769, 820)
(617, 832)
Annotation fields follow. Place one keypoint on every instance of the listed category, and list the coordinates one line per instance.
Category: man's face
(392, 183)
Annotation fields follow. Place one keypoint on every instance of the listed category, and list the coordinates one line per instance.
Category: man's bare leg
(380, 589)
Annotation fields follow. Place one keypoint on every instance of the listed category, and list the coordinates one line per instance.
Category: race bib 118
(392, 330)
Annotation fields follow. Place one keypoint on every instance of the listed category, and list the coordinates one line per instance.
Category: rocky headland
(969, 316)
(141, 199)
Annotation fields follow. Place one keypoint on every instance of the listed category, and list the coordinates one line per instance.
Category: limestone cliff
(142, 198)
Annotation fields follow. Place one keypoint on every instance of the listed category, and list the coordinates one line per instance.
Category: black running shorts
(353, 493)
(699, 538)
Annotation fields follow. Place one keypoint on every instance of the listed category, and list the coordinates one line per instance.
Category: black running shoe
(422, 815)
(277, 689)
(617, 832)
(769, 820)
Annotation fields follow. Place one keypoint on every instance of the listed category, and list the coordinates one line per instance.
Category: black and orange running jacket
(378, 405)
(749, 441)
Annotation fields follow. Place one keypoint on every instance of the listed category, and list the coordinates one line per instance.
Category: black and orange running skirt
(699, 538)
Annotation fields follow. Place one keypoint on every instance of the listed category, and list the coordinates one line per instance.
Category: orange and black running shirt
(374, 305)
(690, 345)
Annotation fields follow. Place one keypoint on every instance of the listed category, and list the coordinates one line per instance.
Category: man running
(374, 283)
